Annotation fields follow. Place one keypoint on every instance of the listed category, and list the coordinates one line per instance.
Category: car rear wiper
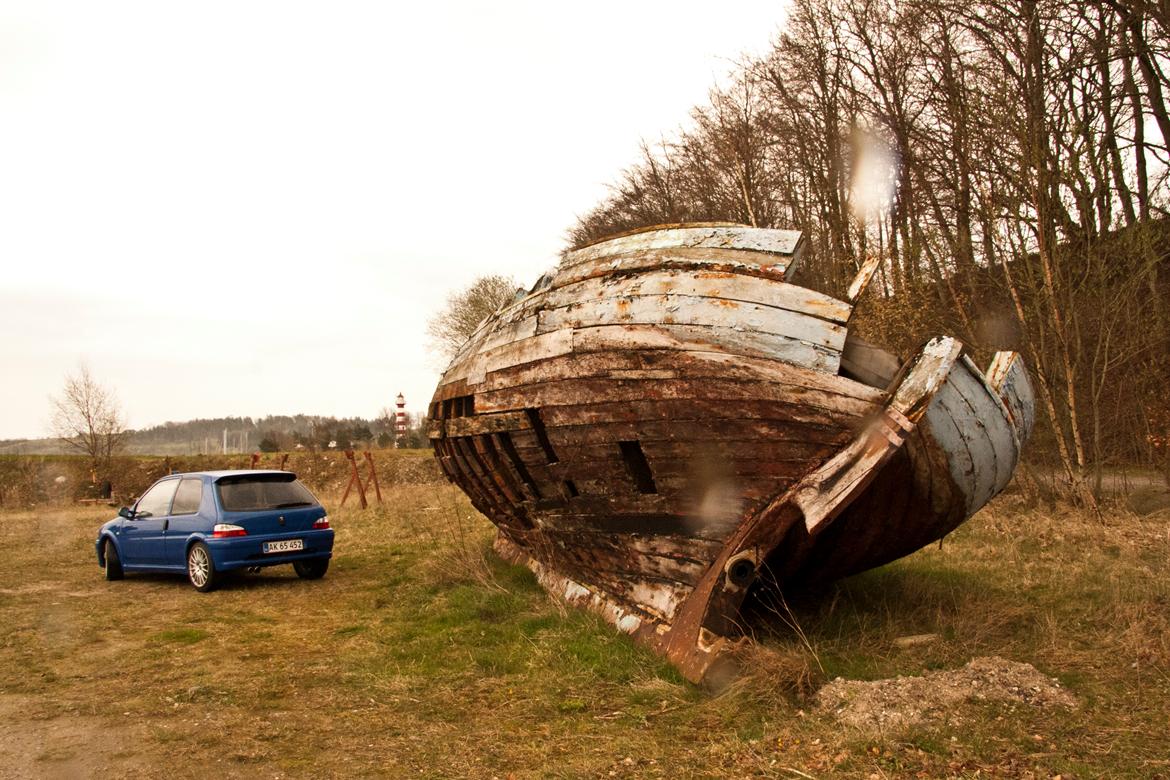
(293, 503)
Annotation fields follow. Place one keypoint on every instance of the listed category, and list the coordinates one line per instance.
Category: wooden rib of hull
(665, 419)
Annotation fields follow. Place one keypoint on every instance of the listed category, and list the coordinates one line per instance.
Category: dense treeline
(1006, 160)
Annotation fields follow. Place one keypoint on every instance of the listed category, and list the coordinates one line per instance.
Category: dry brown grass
(421, 655)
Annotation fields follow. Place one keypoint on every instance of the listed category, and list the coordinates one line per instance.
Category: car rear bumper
(240, 552)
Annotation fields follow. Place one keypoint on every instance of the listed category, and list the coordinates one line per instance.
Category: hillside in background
(246, 434)
(27, 481)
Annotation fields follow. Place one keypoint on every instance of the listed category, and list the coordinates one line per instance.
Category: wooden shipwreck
(666, 420)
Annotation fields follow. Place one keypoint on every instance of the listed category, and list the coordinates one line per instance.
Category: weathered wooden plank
(796, 403)
(475, 479)
(501, 476)
(971, 424)
(508, 333)
(685, 549)
(864, 276)
(690, 365)
(694, 310)
(659, 598)
(593, 555)
(699, 283)
(706, 338)
(631, 523)
(701, 361)
(613, 503)
(693, 451)
(621, 573)
(644, 411)
(698, 431)
(524, 350)
(759, 265)
(683, 492)
(484, 423)
(628, 578)
(1008, 376)
(868, 364)
(780, 471)
(470, 483)
(609, 471)
(781, 242)
(450, 389)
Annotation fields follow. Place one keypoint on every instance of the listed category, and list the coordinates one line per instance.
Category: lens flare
(875, 176)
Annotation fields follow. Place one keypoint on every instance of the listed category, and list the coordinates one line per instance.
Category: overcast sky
(252, 208)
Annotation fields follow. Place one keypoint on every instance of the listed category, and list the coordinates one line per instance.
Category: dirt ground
(71, 745)
(421, 655)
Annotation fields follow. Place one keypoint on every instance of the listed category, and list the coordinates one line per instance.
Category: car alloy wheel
(200, 568)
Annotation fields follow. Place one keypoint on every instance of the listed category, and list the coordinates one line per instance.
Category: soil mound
(883, 705)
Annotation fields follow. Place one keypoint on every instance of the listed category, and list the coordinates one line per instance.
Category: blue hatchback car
(207, 523)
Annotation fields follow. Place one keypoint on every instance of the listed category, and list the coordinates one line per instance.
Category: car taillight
(222, 530)
(321, 522)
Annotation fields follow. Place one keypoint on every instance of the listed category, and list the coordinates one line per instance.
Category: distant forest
(1009, 164)
(275, 433)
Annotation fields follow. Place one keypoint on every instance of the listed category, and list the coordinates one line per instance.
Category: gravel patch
(901, 702)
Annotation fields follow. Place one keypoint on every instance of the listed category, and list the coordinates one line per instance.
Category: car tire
(312, 569)
(113, 565)
(201, 571)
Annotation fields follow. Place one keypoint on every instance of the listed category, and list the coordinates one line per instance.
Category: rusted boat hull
(665, 418)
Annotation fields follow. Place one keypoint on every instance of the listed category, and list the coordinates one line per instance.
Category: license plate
(284, 545)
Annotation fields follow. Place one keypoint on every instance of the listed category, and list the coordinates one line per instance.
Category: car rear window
(258, 492)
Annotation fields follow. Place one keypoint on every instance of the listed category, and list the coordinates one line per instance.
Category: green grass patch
(181, 636)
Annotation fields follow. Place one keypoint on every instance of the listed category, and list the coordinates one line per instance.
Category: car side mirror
(126, 512)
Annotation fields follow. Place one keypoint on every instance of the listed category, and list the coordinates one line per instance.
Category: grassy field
(420, 655)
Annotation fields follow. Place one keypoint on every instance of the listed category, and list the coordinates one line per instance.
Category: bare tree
(465, 310)
(1030, 140)
(88, 418)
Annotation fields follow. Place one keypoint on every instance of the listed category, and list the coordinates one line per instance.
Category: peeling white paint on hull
(666, 413)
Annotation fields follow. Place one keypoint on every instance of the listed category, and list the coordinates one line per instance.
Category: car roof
(215, 476)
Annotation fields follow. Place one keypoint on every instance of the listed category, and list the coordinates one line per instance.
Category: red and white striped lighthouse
(400, 420)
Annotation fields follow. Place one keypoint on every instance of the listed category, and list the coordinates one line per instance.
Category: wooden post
(373, 476)
(354, 478)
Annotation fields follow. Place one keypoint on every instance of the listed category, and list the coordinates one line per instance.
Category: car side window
(188, 497)
(157, 500)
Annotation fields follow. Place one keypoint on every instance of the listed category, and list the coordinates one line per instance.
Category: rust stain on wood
(665, 419)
